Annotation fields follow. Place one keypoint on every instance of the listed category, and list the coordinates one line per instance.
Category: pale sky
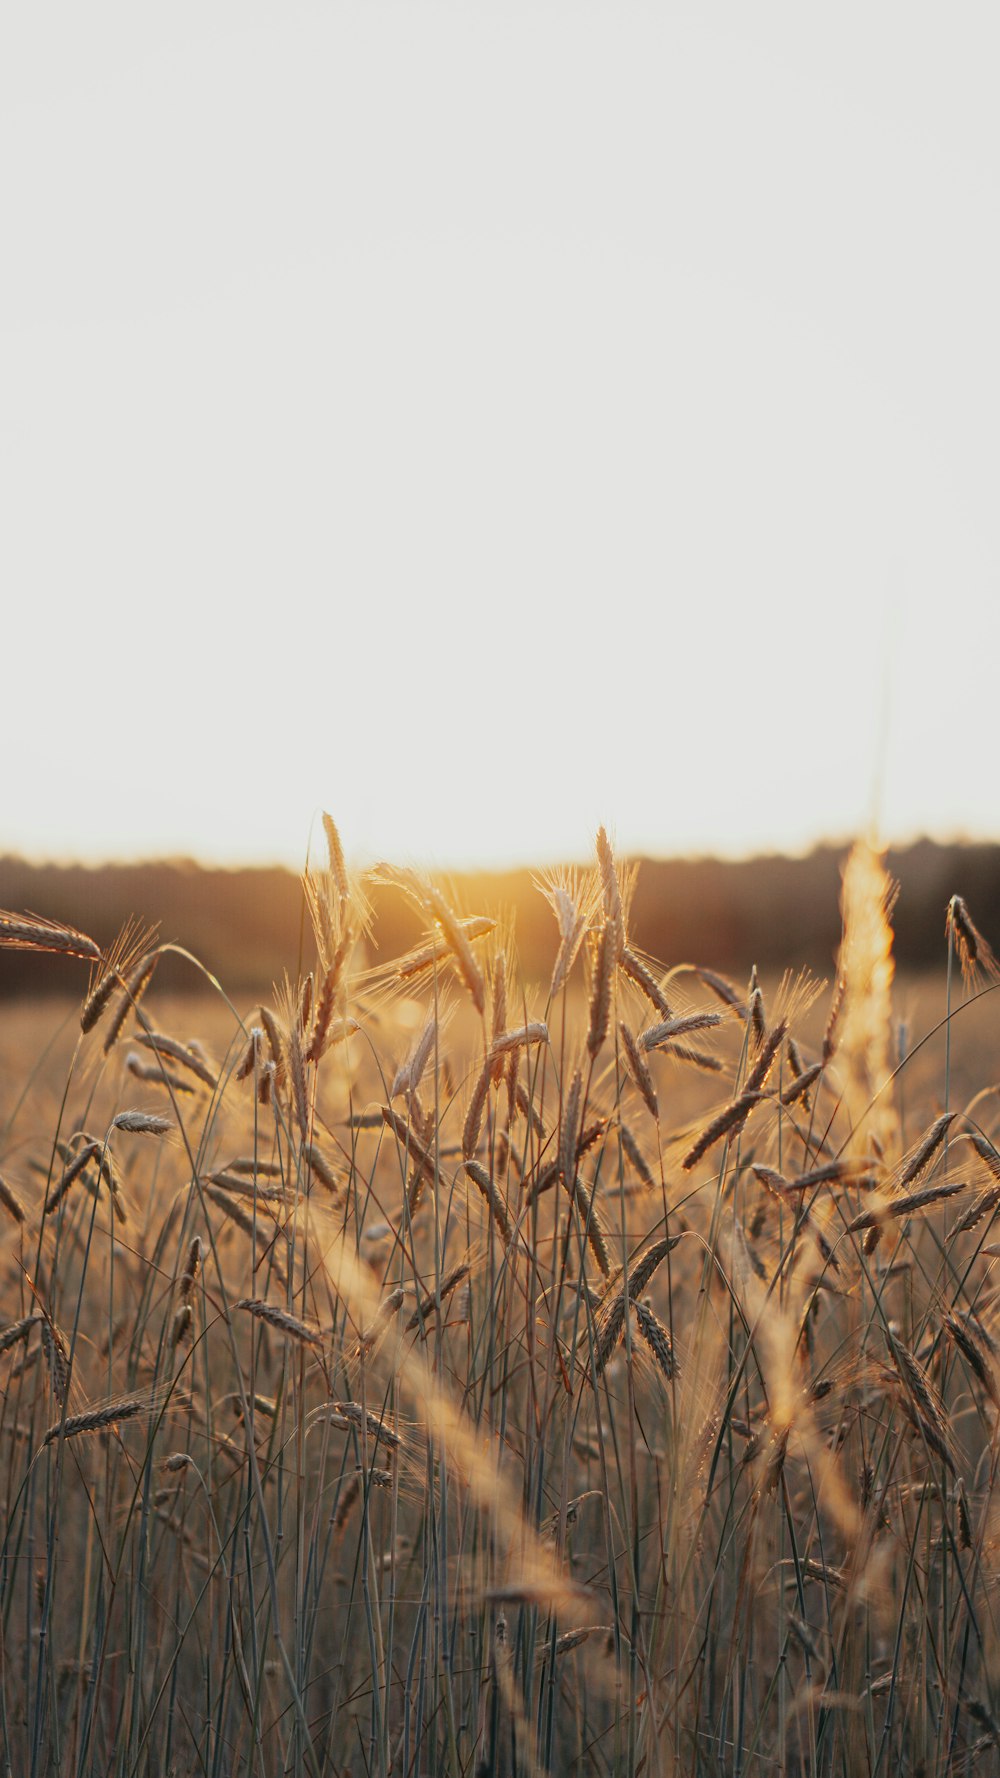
(488, 421)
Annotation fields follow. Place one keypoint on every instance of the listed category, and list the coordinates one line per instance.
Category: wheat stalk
(637, 971)
(683, 1026)
(600, 988)
(497, 1208)
(175, 1051)
(10, 1201)
(472, 1128)
(281, 1319)
(729, 1120)
(124, 1407)
(89, 1152)
(457, 939)
(428, 1303)
(18, 1330)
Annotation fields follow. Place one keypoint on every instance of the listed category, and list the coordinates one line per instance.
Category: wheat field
(432, 1372)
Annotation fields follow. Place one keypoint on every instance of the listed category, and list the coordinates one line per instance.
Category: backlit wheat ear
(260, 1233)
(657, 1339)
(380, 1477)
(157, 1074)
(655, 1036)
(125, 1407)
(425, 1309)
(723, 990)
(472, 1128)
(613, 911)
(608, 1331)
(26, 932)
(772, 1180)
(611, 1317)
(249, 1065)
(907, 1205)
(281, 1319)
(408, 1077)
(802, 1077)
(97, 1000)
(18, 1330)
(385, 1314)
(256, 1189)
(600, 988)
(175, 1051)
(590, 1217)
(277, 1043)
(521, 1037)
(573, 1638)
(129, 950)
(56, 1358)
(458, 943)
(921, 1402)
(351, 1413)
(259, 1404)
(570, 1127)
(758, 1074)
(975, 955)
(422, 960)
(801, 1085)
(638, 1070)
(636, 970)
(917, 1161)
(977, 1349)
(335, 854)
(89, 1152)
(634, 1153)
(143, 1123)
(192, 1266)
(319, 1036)
(319, 1166)
(833, 1020)
(755, 1009)
(10, 1201)
(109, 1174)
(589, 1137)
(297, 1076)
(728, 1122)
(545, 1178)
(255, 1164)
(832, 1172)
(425, 1166)
(498, 1022)
(132, 992)
(684, 1052)
(497, 1208)
(530, 1112)
(985, 1204)
(986, 1152)
(305, 1004)
(562, 891)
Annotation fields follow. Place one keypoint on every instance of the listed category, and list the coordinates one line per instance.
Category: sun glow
(488, 424)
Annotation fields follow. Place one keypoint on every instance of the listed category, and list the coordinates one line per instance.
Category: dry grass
(484, 1381)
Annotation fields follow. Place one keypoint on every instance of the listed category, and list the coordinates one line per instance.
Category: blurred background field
(248, 926)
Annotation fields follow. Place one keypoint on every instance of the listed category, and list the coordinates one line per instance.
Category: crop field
(433, 1372)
